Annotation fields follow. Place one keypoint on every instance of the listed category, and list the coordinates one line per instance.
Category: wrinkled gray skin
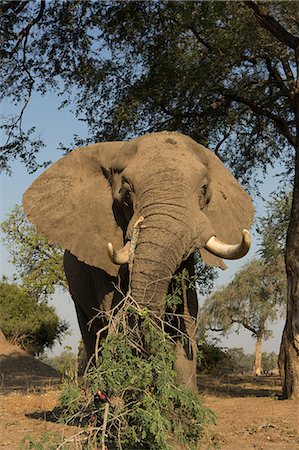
(95, 195)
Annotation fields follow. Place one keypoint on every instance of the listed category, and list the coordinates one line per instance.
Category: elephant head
(188, 198)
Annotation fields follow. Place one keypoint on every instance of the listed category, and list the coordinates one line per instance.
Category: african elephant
(94, 195)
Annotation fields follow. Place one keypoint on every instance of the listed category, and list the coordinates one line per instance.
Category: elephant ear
(71, 204)
(230, 209)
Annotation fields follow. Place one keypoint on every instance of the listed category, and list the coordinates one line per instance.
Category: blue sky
(55, 126)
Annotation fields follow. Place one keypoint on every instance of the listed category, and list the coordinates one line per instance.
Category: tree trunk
(289, 349)
(258, 356)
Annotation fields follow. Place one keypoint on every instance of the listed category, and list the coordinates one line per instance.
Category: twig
(105, 420)
(70, 439)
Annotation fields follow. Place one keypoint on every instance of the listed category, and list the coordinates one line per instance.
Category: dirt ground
(248, 411)
(250, 414)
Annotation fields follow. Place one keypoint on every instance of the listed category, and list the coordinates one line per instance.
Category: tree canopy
(24, 321)
(202, 68)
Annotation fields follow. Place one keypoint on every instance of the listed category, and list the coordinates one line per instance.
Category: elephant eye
(204, 195)
(204, 191)
(126, 192)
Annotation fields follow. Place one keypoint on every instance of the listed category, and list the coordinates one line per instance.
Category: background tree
(32, 325)
(226, 73)
(272, 228)
(66, 363)
(269, 361)
(253, 300)
(39, 264)
(240, 361)
(257, 293)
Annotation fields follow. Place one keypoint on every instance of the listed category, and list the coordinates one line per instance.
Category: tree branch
(270, 24)
(281, 124)
(218, 330)
(199, 38)
(287, 70)
(228, 133)
(226, 136)
(26, 30)
(245, 324)
(278, 79)
(293, 18)
(17, 6)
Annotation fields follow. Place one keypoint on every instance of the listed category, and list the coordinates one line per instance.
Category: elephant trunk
(166, 239)
(155, 261)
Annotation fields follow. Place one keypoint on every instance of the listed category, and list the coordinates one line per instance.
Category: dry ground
(249, 412)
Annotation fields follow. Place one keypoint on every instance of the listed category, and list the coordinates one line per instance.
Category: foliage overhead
(24, 321)
(38, 263)
(206, 69)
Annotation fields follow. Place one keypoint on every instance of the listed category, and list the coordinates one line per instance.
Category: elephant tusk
(229, 251)
(121, 256)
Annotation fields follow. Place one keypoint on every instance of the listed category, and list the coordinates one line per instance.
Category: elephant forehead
(163, 142)
(167, 157)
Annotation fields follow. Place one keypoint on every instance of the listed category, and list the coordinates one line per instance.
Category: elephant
(90, 200)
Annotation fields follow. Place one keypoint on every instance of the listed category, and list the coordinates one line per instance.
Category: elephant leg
(186, 347)
(185, 366)
(186, 351)
(89, 338)
(92, 291)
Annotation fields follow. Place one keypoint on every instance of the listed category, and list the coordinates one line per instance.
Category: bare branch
(229, 132)
(245, 324)
(293, 18)
(217, 330)
(226, 136)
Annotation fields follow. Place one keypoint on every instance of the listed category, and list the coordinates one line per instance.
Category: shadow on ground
(239, 386)
(49, 416)
(22, 373)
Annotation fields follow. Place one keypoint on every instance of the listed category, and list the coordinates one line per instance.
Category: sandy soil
(249, 412)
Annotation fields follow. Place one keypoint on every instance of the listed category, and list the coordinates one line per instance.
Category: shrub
(66, 363)
(211, 358)
(26, 322)
(130, 397)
